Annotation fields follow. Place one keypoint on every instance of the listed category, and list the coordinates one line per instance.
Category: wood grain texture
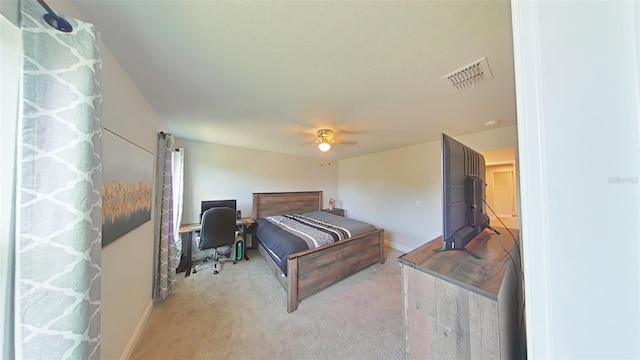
(482, 275)
(446, 320)
(312, 270)
(417, 289)
(320, 267)
(511, 301)
(485, 328)
(278, 203)
(282, 279)
(292, 285)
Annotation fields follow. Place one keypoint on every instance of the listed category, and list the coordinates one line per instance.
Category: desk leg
(187, 255)
(244, 240)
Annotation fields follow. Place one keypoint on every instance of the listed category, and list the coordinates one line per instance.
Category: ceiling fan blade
(315, 136)
(305, 132)
(346, 142)
(352, 131)
(345, 132)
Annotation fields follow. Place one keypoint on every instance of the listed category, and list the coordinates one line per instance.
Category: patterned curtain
(165, 247)
(58, 181)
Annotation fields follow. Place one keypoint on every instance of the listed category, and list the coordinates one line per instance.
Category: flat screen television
(463, 194)
(208, 204)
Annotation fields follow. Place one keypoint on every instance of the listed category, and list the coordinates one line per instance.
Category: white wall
(499, 156)
(10, 10)
(127, 263)
(214, 171)
(578, 92)
(10, 68)
(383, 188)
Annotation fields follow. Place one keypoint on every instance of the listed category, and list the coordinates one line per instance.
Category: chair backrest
(218, 228)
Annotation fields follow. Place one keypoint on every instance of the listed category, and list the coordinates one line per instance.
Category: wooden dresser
(459, 307)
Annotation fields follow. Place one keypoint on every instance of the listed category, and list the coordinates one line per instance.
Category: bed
(308, 271)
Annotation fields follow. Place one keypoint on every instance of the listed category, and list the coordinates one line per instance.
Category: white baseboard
(135, 337)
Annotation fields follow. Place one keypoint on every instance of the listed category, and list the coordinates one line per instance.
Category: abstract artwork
(127, 186)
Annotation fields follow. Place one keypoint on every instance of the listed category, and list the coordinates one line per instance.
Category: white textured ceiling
(257, 74)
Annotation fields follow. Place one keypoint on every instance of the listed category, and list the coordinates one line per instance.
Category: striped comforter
(283, 235)
(314, 232)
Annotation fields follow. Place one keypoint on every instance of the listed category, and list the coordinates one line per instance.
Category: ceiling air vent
(470, 75)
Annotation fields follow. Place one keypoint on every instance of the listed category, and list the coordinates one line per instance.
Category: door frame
(515, 178)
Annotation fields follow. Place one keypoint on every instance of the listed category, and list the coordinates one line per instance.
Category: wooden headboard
(277, 203)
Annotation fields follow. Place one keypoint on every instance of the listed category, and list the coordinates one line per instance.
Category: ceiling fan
(327, 137)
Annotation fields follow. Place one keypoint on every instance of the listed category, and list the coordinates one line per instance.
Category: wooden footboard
(315, 269)
(312, 270)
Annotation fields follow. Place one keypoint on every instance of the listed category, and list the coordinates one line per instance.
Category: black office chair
(218, 232)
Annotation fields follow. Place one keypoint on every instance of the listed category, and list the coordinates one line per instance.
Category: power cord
(518, 268)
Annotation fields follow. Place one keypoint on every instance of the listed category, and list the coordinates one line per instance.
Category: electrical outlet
(418, 203)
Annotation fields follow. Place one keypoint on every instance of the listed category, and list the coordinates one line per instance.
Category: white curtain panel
(59, 179)
(165, 248)
(178, 199)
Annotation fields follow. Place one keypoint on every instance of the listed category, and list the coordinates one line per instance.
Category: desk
(188, 230)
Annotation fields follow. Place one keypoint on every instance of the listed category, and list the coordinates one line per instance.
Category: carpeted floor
(241, 314)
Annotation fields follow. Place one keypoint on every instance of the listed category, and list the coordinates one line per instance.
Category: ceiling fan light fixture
(324, 146)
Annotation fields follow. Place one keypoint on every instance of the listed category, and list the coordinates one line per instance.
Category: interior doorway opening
(501, 190)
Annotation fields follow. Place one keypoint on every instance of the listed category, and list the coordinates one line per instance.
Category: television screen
(208, 204)
(463, 194)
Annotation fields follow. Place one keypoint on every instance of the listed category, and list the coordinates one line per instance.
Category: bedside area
(335, 211)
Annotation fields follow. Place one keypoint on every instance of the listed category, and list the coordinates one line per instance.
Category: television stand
(467, 251)
(458, 307)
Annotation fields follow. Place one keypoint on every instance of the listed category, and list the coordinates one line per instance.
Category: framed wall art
(126, 188)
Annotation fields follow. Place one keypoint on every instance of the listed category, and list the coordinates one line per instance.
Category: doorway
(501, 193)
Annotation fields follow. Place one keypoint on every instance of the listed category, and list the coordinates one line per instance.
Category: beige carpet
(241, 314)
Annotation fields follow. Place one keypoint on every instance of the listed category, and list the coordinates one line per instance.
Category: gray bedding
(355, 227)
(282, 236)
